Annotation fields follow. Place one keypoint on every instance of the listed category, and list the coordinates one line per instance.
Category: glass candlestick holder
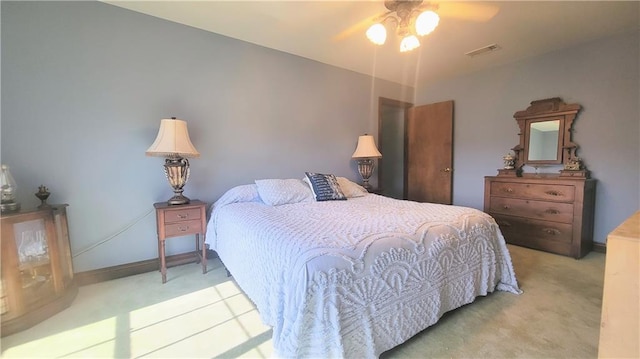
(8, 191)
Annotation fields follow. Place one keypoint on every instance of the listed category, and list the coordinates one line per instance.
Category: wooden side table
(181, 220)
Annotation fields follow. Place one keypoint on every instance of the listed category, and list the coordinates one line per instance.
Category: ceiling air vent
(483, 50)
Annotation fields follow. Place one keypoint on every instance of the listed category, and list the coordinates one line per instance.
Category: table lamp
(174, 144)
(364, 154)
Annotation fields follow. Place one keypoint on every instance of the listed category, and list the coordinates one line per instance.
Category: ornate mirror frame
(550, 109)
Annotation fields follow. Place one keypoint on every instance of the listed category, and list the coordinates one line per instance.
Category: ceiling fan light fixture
(410, 18)
(377, 34)
(427, 22)
(409, 43)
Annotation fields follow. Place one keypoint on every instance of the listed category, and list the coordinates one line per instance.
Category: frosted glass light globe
(427, 22)
(377, 34)
(409, 43)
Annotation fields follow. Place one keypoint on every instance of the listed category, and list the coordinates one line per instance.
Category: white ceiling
(332, 32)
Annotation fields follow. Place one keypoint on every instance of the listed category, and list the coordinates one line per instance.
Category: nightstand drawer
(183, 228)
(182, 215)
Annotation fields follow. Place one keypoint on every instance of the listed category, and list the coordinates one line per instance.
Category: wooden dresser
(549, 213)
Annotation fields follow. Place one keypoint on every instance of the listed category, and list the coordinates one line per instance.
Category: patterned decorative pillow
(275, 192)
(325, 187)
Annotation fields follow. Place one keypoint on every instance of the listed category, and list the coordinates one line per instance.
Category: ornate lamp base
(178, 199)
(177, 171)
(365, 167)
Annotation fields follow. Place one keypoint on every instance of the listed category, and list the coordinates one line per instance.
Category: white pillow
(275, 192)
(242, 193)
(351, 189)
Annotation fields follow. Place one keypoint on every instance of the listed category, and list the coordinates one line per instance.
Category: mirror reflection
(543, 140)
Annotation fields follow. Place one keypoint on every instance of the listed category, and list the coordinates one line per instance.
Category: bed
(354, 276)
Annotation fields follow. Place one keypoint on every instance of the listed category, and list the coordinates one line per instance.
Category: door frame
(404, 106)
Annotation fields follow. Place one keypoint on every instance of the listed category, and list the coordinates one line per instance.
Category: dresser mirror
(545, 138)
(543, 144)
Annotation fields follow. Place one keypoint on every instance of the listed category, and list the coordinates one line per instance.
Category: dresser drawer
(550, 211)
(548, 236)
(546, 212)
(554, 192)
(183, 228)
(181, 215)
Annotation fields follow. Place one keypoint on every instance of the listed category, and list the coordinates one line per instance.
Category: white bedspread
(355, 278)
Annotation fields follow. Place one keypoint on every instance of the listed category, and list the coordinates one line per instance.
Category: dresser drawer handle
(554, 193)
(506, 207)
(551, 231)
(508, 190)
(183, 229)
(183, 216)
(552, 211)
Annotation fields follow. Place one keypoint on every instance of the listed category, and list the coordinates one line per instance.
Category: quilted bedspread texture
(358, 277)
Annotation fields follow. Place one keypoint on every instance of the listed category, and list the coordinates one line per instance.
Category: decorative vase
(509, 161)
(43, 194)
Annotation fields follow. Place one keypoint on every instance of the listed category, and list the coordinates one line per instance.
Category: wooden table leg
(204, 254)
(163, 263)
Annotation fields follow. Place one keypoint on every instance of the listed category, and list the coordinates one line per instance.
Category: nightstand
(181, 220)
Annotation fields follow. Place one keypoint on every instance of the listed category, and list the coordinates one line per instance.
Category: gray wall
(85, 84)
(602, 76)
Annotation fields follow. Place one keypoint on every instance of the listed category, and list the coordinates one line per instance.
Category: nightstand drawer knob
(183, 216)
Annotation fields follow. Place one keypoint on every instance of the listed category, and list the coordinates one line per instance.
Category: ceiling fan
(413, 18)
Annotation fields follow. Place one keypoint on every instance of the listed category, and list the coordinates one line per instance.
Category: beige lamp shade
(366, 148)
(173, 140)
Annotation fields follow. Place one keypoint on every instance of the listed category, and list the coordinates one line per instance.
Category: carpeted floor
(203, 316)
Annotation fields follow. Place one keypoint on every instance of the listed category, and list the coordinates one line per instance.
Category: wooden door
(429, 141)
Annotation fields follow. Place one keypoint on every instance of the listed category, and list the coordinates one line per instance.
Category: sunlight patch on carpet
(218, 320)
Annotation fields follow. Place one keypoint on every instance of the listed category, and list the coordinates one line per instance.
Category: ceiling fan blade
(471, 11)
(360, 27)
